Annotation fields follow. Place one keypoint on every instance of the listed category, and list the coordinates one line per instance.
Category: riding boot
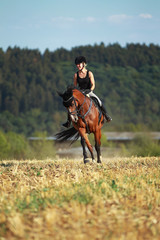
(106, 115)
(68, 123)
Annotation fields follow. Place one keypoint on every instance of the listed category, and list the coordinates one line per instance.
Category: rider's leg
(68, 123)
(104, 111)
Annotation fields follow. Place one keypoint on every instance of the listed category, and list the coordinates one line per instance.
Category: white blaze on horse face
(74, 118)
(73, 115)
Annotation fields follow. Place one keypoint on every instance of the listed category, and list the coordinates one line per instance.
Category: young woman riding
(84, 79)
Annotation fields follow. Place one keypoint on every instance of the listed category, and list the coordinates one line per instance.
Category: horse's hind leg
(97, 136)
(85, 157)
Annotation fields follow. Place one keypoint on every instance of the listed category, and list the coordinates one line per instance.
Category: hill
(127, 80)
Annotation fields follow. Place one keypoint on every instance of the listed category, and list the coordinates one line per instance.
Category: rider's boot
(106, 115)
(68, 123)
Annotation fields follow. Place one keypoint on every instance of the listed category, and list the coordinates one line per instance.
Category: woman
(84, 79)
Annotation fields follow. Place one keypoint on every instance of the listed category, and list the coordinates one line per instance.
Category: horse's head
(71, 103)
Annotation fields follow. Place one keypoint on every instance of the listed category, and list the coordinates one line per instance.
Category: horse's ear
(60, 94)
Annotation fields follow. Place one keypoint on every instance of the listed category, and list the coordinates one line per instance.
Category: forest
(127, 81)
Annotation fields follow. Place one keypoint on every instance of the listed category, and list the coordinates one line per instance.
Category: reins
(77, 111)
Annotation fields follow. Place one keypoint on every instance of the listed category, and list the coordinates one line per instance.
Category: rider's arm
(75, 80)
(91, 76)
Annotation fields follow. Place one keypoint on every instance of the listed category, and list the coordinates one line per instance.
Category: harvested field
(65, 199)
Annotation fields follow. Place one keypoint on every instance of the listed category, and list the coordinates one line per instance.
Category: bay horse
(86, 119)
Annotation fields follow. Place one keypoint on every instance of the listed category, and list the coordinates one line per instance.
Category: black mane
(68, 95)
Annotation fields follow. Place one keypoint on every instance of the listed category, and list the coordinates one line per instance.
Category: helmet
(80, 59)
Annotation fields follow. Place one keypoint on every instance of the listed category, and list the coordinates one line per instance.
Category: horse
(86, 118)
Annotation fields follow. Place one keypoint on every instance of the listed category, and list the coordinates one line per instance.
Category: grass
(65, 199)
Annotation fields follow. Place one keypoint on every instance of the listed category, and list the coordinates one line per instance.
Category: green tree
(4, 146)
(18, 146)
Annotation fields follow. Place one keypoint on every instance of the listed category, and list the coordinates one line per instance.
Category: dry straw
(65, 199)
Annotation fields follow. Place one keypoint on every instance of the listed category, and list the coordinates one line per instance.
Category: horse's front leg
(83, 134)
(85, 157)
(97, 136)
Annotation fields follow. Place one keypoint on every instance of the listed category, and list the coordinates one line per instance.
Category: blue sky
(52, 24)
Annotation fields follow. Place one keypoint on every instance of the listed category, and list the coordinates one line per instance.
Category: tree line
(127, 81)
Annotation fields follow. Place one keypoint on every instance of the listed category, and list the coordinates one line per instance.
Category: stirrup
(108, 118)
(66, 124)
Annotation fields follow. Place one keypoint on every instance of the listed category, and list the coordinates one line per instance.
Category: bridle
(77, 110)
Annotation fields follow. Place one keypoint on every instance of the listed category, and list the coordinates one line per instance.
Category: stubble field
(65, 199)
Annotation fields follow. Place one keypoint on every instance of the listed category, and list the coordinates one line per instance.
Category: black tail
(70, 134)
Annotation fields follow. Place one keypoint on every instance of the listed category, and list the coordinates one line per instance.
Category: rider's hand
(87, 91)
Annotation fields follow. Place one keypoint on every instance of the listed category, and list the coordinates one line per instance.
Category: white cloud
(90, 19)
(145, 15)
(70, 20)
(118, 18)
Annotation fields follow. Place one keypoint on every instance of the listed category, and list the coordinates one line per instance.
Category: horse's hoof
(93, 161)
(86, 161)
(99, 161)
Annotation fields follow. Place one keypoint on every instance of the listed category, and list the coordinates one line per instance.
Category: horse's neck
(79, 96)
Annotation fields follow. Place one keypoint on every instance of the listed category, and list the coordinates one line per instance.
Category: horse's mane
(70, 88)
(67, 95)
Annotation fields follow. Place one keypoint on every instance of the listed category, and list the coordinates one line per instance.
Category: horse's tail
(70, 134)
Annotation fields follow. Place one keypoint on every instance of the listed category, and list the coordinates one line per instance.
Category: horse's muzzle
(74, 118)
